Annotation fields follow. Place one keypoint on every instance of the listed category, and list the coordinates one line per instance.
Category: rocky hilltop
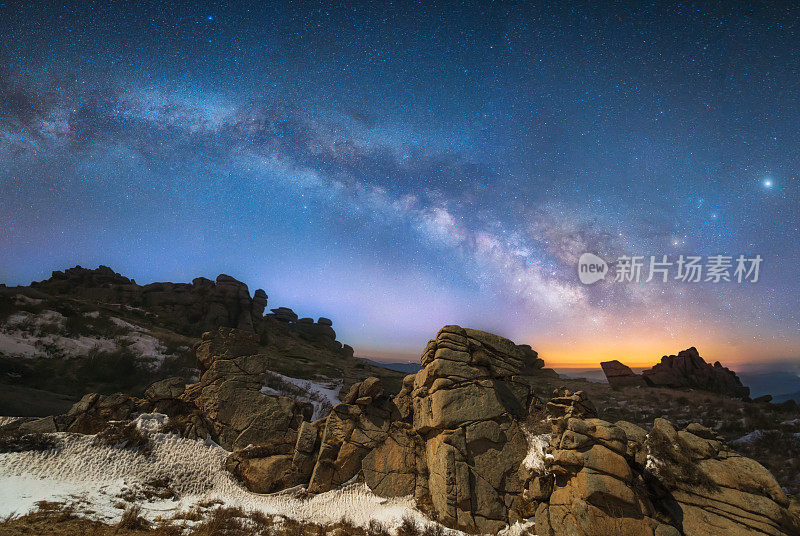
(190, 308)
(685, 370)
(468, 438)
(94, 330)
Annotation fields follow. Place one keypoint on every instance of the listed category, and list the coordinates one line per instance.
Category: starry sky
(401, 166)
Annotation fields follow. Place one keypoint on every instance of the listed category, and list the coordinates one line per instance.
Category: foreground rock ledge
(464, 437)
(458, 433)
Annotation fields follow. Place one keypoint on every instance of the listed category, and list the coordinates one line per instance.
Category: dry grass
(132, 519)
(126, 436)
(59, 519)
(16, 441)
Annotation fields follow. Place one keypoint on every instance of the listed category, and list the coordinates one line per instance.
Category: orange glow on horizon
(636, 352)
(646, 353)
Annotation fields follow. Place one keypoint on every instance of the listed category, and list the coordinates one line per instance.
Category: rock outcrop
(687, 370)
(616, 478)
(456, 439)
(452, 437)
(619, 375)
(467, 439)
(708, 489)
(188, 308)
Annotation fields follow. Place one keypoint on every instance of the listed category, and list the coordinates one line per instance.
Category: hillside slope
(84, 331)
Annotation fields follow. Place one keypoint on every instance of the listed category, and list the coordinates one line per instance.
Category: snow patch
(653, 464)
(520, 528)
(323, 395)
(145, 346)
(151, 422)
(752, 437)
(29, 335)
(537, 452)
(22, 299)
(31, 321)
(96, 475)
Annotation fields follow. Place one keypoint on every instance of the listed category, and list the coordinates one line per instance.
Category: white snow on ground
(752, 437)
(22, 299)
(537, 452)
(31, 335)
(323, 395)
(92, 476)
(145, 346)
(22, 336)
(518, 529)
(44, 319)
(16, 343)
(17, 346)
(653, 464)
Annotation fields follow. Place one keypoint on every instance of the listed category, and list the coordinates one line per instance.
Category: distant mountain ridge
(400, 366)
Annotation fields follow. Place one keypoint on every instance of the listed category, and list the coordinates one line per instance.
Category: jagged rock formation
(685, 370)
(458, 438)
(193, 307)
(616, 478)
(226, 405)
(688, 369)
(189, 308)
(452, 437)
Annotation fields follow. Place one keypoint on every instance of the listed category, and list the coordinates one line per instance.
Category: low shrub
(16, 441)
(124, 435)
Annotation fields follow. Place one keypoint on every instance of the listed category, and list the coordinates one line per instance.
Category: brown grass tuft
(126, 436)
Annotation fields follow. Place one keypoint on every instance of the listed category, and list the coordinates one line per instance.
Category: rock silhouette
(685, 370)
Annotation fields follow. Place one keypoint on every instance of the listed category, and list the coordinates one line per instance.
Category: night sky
(399, 167)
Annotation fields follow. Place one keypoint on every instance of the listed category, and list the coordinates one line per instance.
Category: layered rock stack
(616, 478)
(688, 369)
(190, 308)
(452, 437)
(455, 438)
(685, 370)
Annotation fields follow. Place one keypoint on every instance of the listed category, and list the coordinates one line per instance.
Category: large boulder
(620, 376)
(710, 490)
(616, 478)
(229, 394)
(595, 489)
(452, 437)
